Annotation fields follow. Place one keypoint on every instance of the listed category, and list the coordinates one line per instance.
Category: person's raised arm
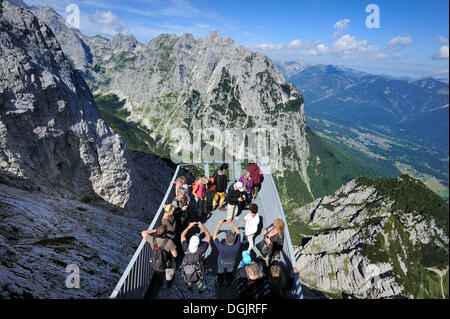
(147, 232)
(216, 232)
(229, 221)
(184, 233)
(208, 235)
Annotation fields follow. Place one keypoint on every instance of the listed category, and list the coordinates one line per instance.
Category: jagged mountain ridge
(170, 81)
(395, 230)
(374, 100)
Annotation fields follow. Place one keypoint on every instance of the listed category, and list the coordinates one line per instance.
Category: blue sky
(412, 39)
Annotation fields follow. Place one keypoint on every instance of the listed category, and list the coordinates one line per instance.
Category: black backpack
(192, 267)
(160, 259)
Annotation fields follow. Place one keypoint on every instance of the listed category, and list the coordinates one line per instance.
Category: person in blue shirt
(228, 250)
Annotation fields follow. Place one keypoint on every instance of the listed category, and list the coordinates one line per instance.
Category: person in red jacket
(257, 178)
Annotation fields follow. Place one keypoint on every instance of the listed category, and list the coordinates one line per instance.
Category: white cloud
(399, 41)
(348, 47)
(380, 56)
(310, 52)
(442, 54)
(294, 44)
(440, 39)
(109, 23)
(399, 55)
(340, 27)
(443, 71)
(322, 49)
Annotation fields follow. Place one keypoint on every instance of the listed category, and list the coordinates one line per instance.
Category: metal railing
(138, 275)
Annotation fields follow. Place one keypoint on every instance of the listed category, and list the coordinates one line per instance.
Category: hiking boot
(222, 209)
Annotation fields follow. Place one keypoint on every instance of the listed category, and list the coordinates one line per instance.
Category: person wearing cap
(228, 250)
(251, 225)
(196, 245)
(235, 196)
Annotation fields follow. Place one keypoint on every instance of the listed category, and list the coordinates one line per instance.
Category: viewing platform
(138, 281)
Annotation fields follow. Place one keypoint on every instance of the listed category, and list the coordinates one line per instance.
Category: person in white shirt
(251, 225)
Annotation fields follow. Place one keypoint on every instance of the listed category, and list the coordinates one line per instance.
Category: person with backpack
(193, 264)
(251, 225)
(257, 177)
(164, 253)
(219, 186)
(235, 197)
(199, 192)
(228, 250)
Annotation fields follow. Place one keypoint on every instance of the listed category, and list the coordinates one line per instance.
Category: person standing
(220, 182)
(257, 177)
(235, 196)
(251, 225)
(181, 182)
(199, 192)
(274, 237)
(228, 250)
(168, 247)
(193, 265)
(169, 220)
(247, 181)
(180, 203)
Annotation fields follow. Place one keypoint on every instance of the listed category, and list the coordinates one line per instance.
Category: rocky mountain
(51, 132)
(375, 239)
(65, 177)
(290, 68)
(174, 82)
(71, 39)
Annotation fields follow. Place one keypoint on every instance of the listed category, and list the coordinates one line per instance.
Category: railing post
(207, 170)
(236, 170)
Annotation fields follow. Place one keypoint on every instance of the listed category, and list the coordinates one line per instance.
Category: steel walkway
(137, 277)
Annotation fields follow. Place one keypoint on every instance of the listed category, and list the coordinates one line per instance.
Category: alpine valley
(85, 126)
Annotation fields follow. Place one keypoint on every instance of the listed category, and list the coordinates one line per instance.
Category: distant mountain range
(404, 121)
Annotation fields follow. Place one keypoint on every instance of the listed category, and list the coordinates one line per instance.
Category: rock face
(291, 68)
(70, 191)
(51, 133)
(40, 235)
(71, 40)
(374, 239)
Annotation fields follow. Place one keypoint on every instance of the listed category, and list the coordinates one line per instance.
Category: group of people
(258, 277)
